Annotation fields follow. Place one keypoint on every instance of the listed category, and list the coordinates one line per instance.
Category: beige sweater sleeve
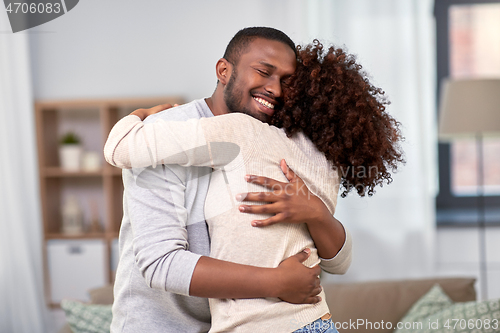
(342, 260)
(115, 148)
(212, 142)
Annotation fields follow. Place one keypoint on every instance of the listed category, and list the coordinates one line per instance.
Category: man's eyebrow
(268, 65)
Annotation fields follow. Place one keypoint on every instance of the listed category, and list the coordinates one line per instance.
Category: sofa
(354, 305)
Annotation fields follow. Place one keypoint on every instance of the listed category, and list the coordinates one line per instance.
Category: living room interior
(66, 82)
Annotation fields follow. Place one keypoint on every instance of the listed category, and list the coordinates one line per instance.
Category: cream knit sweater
(235, 145)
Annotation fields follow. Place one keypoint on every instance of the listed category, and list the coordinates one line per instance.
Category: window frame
(445, 200)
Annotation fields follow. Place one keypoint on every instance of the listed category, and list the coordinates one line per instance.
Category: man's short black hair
(238, 44)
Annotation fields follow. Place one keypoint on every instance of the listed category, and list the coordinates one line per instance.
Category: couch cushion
(356, 305)
(436, 313)
(84, 318)
(103, 295)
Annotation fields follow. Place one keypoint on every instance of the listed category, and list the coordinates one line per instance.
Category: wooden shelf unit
(92, 121)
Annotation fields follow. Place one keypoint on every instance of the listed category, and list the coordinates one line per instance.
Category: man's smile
(264, 102)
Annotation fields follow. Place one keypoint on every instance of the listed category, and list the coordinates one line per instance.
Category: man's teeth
(264, 102)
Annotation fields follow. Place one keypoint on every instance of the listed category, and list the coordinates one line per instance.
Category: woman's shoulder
(309, 153)
(239, 117)
(241, 123)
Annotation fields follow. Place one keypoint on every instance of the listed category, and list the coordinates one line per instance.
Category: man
(164, 243)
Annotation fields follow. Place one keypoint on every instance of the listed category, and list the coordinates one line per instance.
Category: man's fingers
(317, 290)
(312, 300)
(316, 269)
(316, 299)
(318, 285)
(303, 255)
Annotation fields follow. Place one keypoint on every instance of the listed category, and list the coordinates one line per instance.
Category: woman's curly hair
(332, 101)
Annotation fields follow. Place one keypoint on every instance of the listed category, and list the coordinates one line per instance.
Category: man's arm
(291, 281)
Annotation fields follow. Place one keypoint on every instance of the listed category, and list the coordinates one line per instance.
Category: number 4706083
(25, 8)
(471, 323)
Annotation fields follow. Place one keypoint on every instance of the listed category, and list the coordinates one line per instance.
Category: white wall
(458, 254)
(145, 48)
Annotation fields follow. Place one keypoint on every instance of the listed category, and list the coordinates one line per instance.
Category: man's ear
(223, 70)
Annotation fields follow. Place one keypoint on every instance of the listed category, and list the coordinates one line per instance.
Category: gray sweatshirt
(162, 236)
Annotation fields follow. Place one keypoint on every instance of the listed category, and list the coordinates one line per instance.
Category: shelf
(53, 172)
(101, 235)
(89, 235)
(58, 172)
(112, 171)
(99, 193)
(113, 235)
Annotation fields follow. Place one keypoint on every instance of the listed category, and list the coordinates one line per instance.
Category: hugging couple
(229, 200)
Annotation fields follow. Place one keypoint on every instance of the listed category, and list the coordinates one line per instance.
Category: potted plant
(70, 152)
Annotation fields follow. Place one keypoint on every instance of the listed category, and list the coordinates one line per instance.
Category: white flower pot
(70, 156)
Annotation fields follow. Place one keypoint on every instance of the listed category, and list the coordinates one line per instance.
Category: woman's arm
(292, 202)
(135, 144)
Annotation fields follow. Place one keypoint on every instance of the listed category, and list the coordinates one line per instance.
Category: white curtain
(394, 230)
(22, 305)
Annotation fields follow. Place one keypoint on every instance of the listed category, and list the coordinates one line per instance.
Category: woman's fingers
(278, 218)
(289, 174)
(144, 113)
(266, 182)
(159, 108)
(257, 196)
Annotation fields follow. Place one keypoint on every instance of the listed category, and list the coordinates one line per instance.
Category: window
(468, 46)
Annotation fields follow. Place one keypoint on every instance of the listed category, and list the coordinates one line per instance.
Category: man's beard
(233, 97)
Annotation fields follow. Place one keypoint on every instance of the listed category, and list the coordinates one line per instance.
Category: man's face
(255, 84)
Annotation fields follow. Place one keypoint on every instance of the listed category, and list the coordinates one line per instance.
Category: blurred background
(84, 70)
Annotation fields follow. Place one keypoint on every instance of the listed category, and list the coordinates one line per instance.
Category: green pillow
(87, 318)
(435, 312)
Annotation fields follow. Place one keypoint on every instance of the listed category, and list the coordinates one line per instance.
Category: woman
(334, 131)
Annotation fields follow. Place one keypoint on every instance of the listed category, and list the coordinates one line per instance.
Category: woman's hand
(290, 202)
(143, 113)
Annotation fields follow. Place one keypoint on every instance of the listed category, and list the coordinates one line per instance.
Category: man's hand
(300, 284)
(292, 202)
(143, 113)
(291, 281)
(288, 202)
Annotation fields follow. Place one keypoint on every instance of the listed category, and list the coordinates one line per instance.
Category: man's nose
(273, 86)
